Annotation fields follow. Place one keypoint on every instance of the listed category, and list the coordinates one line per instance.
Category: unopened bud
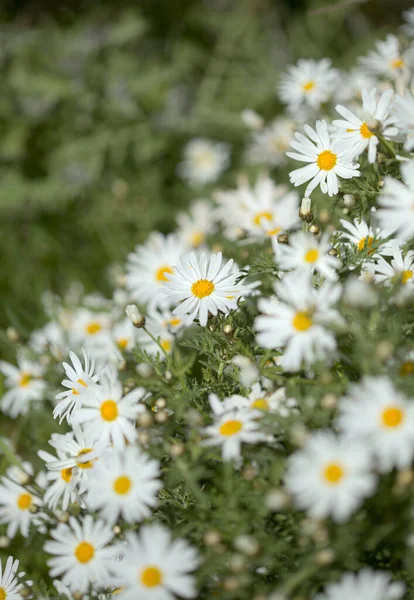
(315, 229)
(333, 252)
(305, 213)
(283, 238)
(349, 200)
(133, 313)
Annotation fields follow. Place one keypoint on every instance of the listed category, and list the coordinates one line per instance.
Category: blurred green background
(98, 100)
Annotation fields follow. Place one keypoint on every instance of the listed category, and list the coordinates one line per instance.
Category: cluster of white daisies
(100, 476)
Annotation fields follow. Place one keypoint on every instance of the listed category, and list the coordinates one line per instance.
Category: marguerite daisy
(403, 118)
(10, 584)
(268, 146)
(307, 254)
(24, 385)
(197, 224)
(365, 585)
(365, 239)
(204, 161)
(396, 203)
(16, 504)
(327, 160)
(387, 60)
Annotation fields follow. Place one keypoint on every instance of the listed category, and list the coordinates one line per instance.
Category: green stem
(299, 577)
(387, 145)
(154, 339)
(9, 455)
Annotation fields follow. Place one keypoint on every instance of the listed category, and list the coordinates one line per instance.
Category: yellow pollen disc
(260, 404)
(93, 328)
(366, 242)
(165, 345)
(312, 256)
(81, 382)
(202, 288)
(84, 552)
(151, 577)
(326, 160)
(24, 501)
(160, 274)
(406, 276)
(75, 392)
(397, 63)
(197, 238)
(392, 417)
(349, 129)
(122, 485)
(308, 86)
(333, 473)
(122, 343)
(264, 215)
(175, 322)
(109, 410)
(3, 594)
(230, 427)
(365, 131)
(25, 379)
(274, 231)
(85, 465)
(407, 368)
(66, 474)
(302, 321)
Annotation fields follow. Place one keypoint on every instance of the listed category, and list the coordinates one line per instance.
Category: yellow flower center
(122, 343)
(365, 131)
(260, 404)
(392, 416)
(406, 276)
(93, 328)
(366, 242)
(326, 160)
(230, 427)
(3, 594)
(165, 345)
(151, 577)
(333, 473)
(274, 231)
(81, 382)
(109, 410)
(160, 274)
(84, 552)
(308, 86)
(197, 238)
(85, 465)
(312, 256)
(397, 63)
(66, 474)
(25, 379)
(202, 288)
(175, 322)
(407, 368)
(302, 321)
(24, 501)
(122, 485)
(267, 216)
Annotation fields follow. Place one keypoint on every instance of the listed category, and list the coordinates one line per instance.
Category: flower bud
(133, 313)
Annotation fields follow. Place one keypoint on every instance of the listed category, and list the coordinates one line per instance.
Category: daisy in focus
(306, 254)
(81, 554)
(24, 385)
(396, 206)
(308, 84)
(375, 413)
(295, 320)
(365, 239)
(10, 584)
(124, 484)
(359, 133)
(387, 60)
(156, 567)
(204, 161)
(148, 266)
(330, 477)
(202, 286)
(327, 160)
(364, 585)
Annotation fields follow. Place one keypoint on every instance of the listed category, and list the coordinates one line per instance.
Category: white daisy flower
(359, 133)
(403, 118)
(268, 146)
(309, 83)
(328, 160)
(124, 485)
(24, 385)
(204, 161)
(382, 418)
(261, 211)
(124, 335)
(387, 60)
(231, 428)
(155, 567)
(296, 320)
(163, 326)
(400, 270)
(351, 85)
(197, 224)
(81, 554)
(92, 331)
(61, 483)
(49, 339)
(80, 380)
(202, 285)
(365, 585)
(248, 370)
(109, 415)
(259, 400)
(10, 584)
(148, 266)
(330, 477)
(307, 254)
(16, 503)
(364, 238)
(396, 212)
(408, 27)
